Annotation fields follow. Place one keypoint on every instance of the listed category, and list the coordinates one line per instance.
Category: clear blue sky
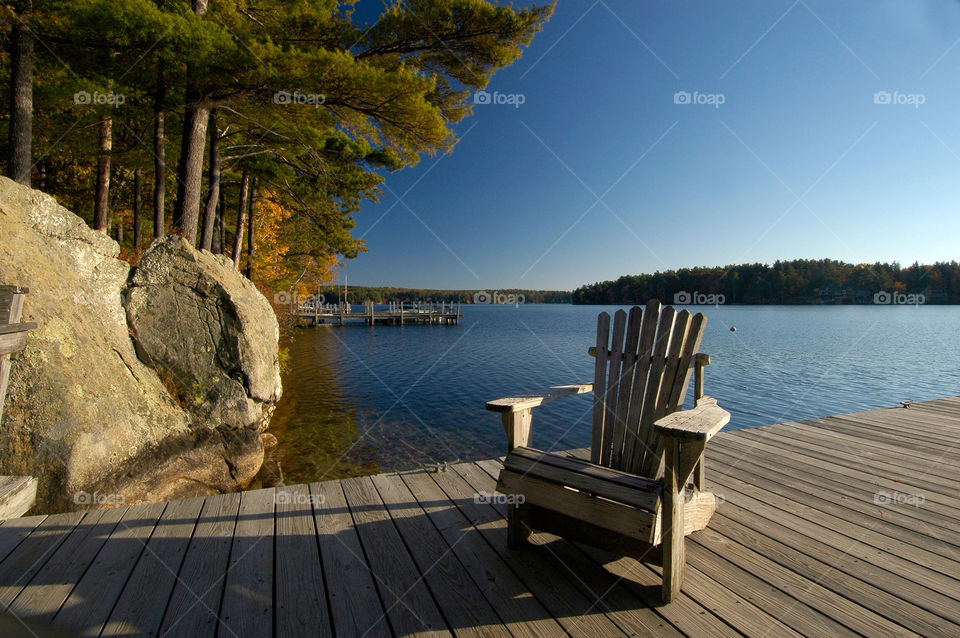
(600, 172)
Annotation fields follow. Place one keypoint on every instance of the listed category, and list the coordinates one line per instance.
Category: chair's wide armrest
(698, 424)
(527, 401)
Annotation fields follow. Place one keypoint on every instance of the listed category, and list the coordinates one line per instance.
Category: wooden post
(11, 309)
(401, 313)
(517, 427)
(699, 364)
(672, 547)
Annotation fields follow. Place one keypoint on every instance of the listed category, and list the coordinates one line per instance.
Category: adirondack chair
(632, 495)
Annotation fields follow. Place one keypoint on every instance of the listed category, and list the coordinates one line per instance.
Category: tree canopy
(255, 106)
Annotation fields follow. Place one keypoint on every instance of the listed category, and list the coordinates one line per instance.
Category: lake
(360, 400)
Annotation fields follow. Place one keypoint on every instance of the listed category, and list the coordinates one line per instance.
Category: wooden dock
(394, 314)
(842, 526)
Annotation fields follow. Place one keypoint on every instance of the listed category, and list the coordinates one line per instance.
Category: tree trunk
(219, 230)
(137, 207)
(159, 167)
(119, 229)
(251, 243)
(241, 219)
(213, 185)
(21, 103)
(186, 210)
(102, 203)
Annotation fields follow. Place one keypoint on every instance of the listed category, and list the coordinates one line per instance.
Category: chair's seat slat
(597, 479)
(617, 517)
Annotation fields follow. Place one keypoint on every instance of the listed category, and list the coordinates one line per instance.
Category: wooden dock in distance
(395, 314)
(842, 526)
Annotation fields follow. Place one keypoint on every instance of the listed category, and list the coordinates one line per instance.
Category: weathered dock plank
(409, 605)
(467, 611)
(355, 606)
(194, 606)
(802, 544)
(91, 601)
(139, 609)
(247, 607)
(300, 599)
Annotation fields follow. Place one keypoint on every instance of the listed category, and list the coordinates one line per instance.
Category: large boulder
(208, 331)
(100, 419)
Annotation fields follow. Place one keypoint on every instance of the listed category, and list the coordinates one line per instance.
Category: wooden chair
(632, 495)
(17, 493)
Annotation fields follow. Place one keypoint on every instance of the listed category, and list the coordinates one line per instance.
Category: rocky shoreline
(142, 383)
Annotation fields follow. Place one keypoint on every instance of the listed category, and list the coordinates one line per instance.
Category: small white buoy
(733, 328)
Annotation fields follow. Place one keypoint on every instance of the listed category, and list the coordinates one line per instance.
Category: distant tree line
(799, 281)
(359, 294)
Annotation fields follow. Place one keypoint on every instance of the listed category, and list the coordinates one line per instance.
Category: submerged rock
(140, 384)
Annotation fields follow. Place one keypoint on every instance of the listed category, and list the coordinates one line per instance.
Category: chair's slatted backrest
(641, 374)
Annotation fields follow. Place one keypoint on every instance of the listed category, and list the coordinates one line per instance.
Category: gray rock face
(208, 331)
(168, 405)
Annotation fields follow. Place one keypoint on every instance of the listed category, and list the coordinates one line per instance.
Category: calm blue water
(360, 400)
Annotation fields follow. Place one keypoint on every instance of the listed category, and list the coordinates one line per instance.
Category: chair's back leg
(672, 548)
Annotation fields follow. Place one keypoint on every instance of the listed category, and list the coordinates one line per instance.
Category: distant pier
(395, 313)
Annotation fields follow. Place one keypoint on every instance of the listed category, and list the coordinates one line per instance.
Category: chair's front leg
(672, 523)
(517, 426)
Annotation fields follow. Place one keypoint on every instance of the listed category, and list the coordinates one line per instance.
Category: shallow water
(360, 400)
